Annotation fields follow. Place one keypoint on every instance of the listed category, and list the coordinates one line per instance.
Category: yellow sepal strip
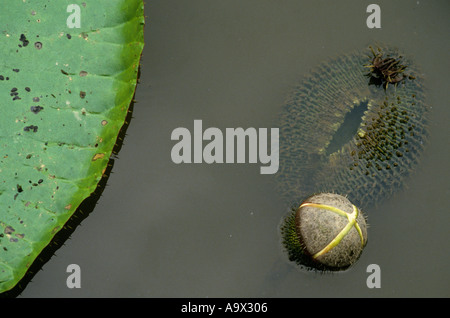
(351, 222)
(326, 207)
(360, 233)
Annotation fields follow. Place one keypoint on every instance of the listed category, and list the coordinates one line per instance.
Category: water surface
(199, 230)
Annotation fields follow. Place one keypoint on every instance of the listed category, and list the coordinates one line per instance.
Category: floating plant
(339, 134)
(386, 69)
(59, 85)
(326, 232)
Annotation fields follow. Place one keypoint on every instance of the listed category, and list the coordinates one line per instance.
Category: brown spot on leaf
(9, 230)
(98, 156)
(55, 229)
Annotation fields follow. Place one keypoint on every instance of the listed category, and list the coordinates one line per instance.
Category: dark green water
(199, 230)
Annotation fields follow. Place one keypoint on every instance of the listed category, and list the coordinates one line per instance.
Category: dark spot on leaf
(82, 94)
(36, 109)
(19, 188)
(35, 99)
(83, 73)
(9, 230)
(69, 36)
(20, 235)
(16, 70)
(27, 89)
(1, 78)
(31, 128)
(64, 72)
(24, 40)
(14, 240)
(38, 45)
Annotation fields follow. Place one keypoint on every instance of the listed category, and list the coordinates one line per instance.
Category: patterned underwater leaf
(65, 92)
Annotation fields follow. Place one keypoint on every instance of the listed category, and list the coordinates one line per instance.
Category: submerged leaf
(65, 90)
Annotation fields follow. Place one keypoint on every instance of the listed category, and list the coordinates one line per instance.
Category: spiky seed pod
(386, 132)
(326, 232)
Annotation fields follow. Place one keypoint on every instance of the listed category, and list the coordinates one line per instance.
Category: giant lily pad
(67, 77)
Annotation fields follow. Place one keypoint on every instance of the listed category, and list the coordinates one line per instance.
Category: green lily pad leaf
(67, 77)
